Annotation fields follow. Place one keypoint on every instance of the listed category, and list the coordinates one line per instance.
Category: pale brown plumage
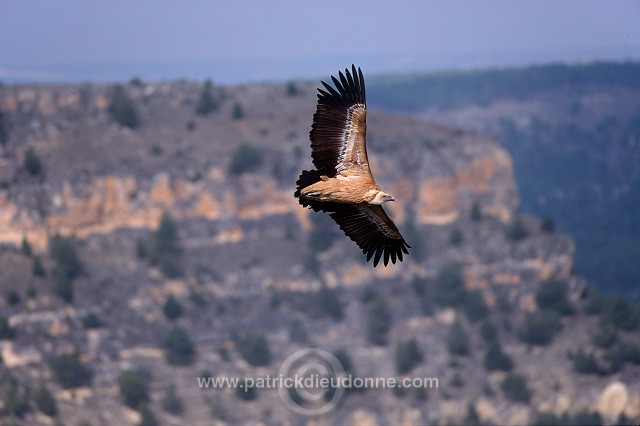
(343, 184)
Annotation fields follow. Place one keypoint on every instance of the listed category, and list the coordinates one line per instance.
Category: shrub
(122, 109)
(63, 285)
(488, 330)
(449, 288)
(91, 320)
(408, 355)
(13, 298)
(37, 269)
(548, 225)
(165, 252)
(622, 351)
(179, 349)
(298, 332)
(25, 247)
(621, 313)
(171, 401)
(246, 392)
(457, 341)
(63, 251)
(254, 348)
(539, 328)
(15, 398)
(327, 303)
(378, 322)
(32, 163)
(455, 237)
(552, 295)
(133, 389)
(69, 371)
(292, 89)
(496, 359)
(516, 230)
(474, 306)
(246, 158)
(206, 102)
(515, 388)
(238, 111)
(476, 211)
(172, 308)
(604, 336)
(45, 401)
(6, 331)
(586, 363)
(147, 418)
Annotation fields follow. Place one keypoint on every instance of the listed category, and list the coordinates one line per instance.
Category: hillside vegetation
(150, 243)
(574, 134)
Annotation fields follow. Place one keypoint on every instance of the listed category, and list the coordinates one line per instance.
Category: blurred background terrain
(149, 236)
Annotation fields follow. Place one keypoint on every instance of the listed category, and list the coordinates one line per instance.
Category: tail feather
(309, 177)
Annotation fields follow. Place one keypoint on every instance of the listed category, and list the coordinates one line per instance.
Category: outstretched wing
(372, 230)
(338, 132)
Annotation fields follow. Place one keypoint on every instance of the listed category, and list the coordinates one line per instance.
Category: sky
(254, 41)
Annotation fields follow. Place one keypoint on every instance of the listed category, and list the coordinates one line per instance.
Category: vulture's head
(381, 198)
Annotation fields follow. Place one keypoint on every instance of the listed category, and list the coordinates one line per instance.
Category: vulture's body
(342, 183)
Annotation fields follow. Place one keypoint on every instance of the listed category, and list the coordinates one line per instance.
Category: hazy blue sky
(237, 41)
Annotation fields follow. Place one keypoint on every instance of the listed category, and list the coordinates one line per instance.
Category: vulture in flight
(342, 183)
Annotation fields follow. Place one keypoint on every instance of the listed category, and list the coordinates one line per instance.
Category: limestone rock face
(613, 400)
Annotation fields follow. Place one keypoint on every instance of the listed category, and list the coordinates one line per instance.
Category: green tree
(69, 371)
(165, 251)
(171, 401)
(92, 320)
(327, 303)
(476, 211)
(206, 102)
(32, 163)
(378, 322)
(408, 355)
(246, 392)
(238, 111)
(147, 418)
(172, 308)
(63, 251)
(246, 158)
(457, 340)
(516, 230)
(254, 348)
(618, 311)
(292, 89)
(548, 225)
(449, 288)
(133, 389)
(45, 401)
(552, 295)
(122, 109)
(515, 388)
(539, 328)
(179, 350)
(456, 237)
(474, 307)
(37, 269)
(605, 335)
(586, 363)
(25, 247)
(488, 330)
(496, 359)
(15, 398)
(7, 332)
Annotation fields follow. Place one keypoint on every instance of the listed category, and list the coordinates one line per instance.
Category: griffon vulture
(342, 183)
